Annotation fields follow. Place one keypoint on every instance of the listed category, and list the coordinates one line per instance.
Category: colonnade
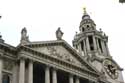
(47, 73)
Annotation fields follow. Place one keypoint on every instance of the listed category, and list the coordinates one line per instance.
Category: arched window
(6, 79)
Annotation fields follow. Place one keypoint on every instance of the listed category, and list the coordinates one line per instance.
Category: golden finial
(84, 10)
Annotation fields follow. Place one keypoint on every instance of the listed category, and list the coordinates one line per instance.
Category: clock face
(111, 69)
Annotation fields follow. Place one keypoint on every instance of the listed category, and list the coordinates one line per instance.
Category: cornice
(8, 48)
(66, 45)
(63, 43)
(92, 32)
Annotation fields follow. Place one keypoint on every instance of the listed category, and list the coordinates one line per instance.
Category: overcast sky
(43, 17)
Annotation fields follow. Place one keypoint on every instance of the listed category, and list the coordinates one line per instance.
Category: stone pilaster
(30, 72)
(77, 80)
(22, 71)
(1, 66)
(70, 78)
(47, 74)
(54, 76)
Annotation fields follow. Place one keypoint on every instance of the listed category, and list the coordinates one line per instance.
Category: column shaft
(84, 47)
(70, 78)
(30, 72)
(54, 76)
(1, 64)
(47, 75)
(77, 80)
(107, 49)
(79, 47)
(94, 42)
(103, 47)
(22, 71)
(87, 44)
(98, 46)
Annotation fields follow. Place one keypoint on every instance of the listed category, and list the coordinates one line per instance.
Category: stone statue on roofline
(1, 40)
(59, 34)
(24, 37)
(121, 1)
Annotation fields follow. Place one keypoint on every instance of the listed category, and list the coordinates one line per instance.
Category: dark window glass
(83, 29)
(82, 46)
(91, 43)
(6, 79)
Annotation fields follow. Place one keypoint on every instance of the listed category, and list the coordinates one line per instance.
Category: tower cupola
(86, 23)
(89, 41)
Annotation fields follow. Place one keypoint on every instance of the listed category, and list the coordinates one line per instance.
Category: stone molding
(61, 65)
(28, 53)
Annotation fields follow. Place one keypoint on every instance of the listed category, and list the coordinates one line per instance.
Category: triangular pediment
(61, 50)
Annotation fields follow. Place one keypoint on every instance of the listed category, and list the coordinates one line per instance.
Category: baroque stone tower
(93, 46)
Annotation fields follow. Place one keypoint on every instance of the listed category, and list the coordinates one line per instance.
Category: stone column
(107, 49)
(70, 78)
(94, 42)
(22, 71)
(1, 66)
(84, 47)
(98, 46)
(47, 74)
(103, 47)
(54, 76)
(87, 44)
(79, 47)
(30, 72)
(77, 80)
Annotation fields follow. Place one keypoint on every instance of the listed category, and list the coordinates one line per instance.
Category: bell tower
(89, 41)
(92, 44)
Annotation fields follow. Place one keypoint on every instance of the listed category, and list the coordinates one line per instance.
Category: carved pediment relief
(58, 52)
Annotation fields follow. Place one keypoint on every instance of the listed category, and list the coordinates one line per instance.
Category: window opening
(87, 26)
(82, 46)
(83, 29)
(91, 43)
(6, 79)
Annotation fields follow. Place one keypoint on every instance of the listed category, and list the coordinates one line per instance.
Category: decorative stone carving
(111, 68)
(53, 52)
(24, 37)
(102, 74)
(1, 40)
(59, 34)
(8, 65)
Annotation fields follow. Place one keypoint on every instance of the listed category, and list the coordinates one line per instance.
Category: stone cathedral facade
(88, 61)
